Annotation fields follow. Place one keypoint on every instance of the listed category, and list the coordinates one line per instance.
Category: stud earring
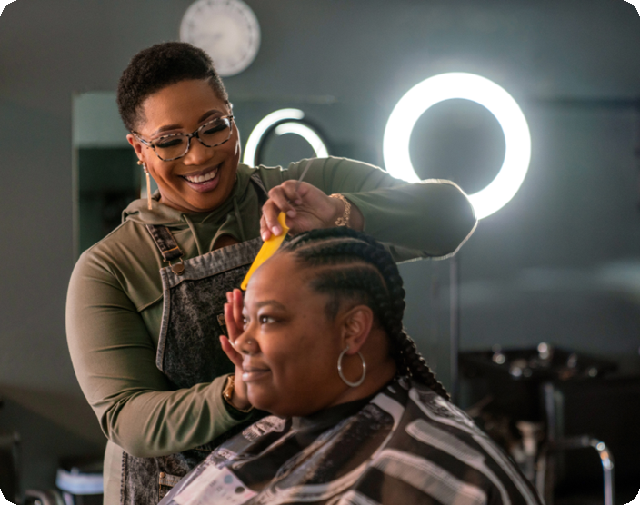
(146, 174)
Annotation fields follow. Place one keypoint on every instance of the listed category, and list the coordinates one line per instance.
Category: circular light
(306, 133)
(484, 92)
(261, 128)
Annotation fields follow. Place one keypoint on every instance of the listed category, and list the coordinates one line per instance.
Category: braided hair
(352, 265)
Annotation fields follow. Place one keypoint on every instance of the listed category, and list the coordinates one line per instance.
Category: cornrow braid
(353, 265)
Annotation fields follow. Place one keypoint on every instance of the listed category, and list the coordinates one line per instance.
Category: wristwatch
(227, 393)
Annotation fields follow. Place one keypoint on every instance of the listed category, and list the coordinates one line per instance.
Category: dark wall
(559, 263)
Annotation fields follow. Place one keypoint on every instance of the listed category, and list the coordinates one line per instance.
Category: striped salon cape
(404, 445)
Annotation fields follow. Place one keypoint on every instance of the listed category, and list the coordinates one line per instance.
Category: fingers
(282, 198)
(240, 399)
(238, 305)
(234, 320)
(232, 354)
(265, 232)
(232, 330)
(286, 196)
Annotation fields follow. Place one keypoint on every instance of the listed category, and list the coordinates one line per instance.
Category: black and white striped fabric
(405, 445)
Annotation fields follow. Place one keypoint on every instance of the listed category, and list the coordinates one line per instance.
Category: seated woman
(358, 417)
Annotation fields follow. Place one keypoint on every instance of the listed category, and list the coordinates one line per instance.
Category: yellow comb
(267, 250)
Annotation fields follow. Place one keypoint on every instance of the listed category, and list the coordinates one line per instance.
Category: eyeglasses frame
(189, 136)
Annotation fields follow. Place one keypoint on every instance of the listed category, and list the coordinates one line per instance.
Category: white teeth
(199, 179)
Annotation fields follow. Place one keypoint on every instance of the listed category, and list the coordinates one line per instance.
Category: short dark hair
(348, 265)
(158, 66)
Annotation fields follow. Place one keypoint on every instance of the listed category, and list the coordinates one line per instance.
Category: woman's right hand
(234, 321)
(306, 207)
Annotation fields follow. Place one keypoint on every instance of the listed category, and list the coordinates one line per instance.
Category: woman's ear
(137, 145)
(357, 323)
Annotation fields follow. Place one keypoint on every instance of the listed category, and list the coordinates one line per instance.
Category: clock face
(226, 29)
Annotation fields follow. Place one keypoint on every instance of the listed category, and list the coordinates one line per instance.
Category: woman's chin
(260, 399)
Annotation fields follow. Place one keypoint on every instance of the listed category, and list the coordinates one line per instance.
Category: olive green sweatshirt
(114, 303)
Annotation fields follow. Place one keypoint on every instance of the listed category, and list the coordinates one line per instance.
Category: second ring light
(283, 122)
(484, 92)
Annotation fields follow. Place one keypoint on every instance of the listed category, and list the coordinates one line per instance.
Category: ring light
(484, 92)
(283, 122)
(306, 133)
(261, 128)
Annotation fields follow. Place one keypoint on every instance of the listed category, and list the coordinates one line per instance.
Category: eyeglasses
(174, 146)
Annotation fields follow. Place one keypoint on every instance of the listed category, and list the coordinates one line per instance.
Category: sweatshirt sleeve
(428, 219)
(114, 360)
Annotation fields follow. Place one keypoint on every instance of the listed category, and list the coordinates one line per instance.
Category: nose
(245, 343)
(198, 153)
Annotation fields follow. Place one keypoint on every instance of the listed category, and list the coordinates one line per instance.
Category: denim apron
(189, 350)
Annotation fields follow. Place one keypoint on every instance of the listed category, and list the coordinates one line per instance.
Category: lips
(204, 181)
(199, 179)
(203, 176)
(253, 373)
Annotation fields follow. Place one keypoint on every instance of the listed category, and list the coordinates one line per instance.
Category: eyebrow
(169, 127)
(270, 302)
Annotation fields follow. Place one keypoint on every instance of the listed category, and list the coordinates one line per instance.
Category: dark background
(559, 263)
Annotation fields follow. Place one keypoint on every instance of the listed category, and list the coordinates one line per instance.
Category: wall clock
(226, 29)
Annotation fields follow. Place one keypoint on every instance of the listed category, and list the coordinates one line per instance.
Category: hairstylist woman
(145, 305)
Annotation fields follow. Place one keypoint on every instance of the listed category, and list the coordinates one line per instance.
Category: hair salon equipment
(81, 481)
(50, 497)
(523, 409)
(12, 485)
(78, 483)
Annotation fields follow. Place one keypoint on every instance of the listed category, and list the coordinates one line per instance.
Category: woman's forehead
(282, 276)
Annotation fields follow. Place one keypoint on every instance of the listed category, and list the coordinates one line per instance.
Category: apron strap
(165, 242)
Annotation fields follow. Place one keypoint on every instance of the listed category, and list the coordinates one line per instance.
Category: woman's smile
(254, 373)
(204, 181)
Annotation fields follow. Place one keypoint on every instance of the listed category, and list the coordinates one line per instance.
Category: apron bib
(189, 350)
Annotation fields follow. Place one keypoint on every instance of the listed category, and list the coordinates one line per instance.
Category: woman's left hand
(307, 208)
(234, 321)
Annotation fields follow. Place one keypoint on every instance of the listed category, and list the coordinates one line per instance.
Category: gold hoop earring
(364, 370)
(148, 178)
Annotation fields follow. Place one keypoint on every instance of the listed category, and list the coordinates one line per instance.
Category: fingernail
(276, 230)
(291, 213)
(265, 236)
